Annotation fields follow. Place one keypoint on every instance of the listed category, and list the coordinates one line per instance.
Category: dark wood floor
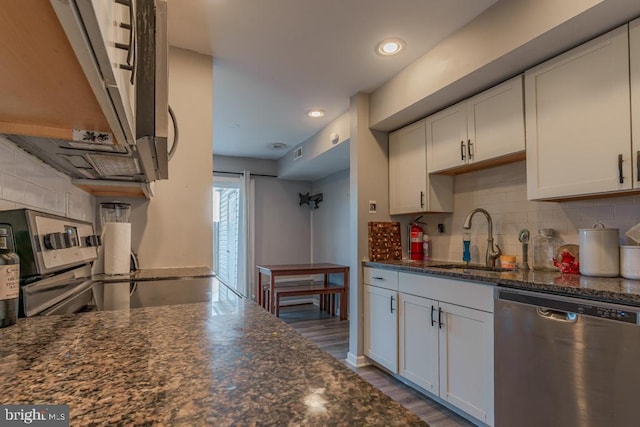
(332, 335)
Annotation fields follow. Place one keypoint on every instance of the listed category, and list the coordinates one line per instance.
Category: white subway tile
(13, 188)
(7, 159)
(34, 195)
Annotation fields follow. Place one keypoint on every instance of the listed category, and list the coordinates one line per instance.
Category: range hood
(137, 156)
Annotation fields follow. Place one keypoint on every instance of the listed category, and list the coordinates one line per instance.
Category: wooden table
(267, 295)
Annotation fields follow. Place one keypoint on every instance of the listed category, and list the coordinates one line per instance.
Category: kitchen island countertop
(614, 290)
(226, 362)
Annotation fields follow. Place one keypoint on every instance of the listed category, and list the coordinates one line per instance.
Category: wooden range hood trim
(106, 188)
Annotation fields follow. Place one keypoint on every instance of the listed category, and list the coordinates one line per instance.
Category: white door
(578, 120)
(495, 122)
(407, 170)
(447, 138)
(418, 349)
(226, 236)
(466, 360)
(381, 326)
(233, 232)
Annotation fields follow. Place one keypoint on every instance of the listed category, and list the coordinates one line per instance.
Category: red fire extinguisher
(415, 240)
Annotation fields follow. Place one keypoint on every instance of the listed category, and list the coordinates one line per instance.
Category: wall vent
(297, 153)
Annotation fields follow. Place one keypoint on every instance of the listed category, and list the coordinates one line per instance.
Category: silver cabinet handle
(462, 150)
(131, 47)
(377, 278)
(620, 177)
(391, 302)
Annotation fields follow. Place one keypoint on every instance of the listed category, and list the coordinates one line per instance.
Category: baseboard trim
(357, 361)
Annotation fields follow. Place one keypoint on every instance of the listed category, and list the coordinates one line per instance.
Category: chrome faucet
(493, 251)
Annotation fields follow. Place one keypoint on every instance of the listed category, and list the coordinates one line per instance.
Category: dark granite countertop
(156, 274)
(223, 363)
(614, 290)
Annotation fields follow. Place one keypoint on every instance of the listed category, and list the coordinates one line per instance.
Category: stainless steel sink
(471, 268)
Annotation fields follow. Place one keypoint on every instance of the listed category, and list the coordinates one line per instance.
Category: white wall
(174, 229)
(502, 191)
(368, 180)
(480, 54)
(239, 164)
(330, 222)
(26, 182)
(282, 227)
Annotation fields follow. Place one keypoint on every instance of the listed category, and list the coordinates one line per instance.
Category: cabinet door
(407, 170)
(466, 360)
(447, 138)
(495, 122)
(578, 120)
(634, 52)
(418, 344)
(102, 19)
(381, 326)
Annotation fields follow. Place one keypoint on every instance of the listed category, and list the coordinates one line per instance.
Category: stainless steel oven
(56, 254)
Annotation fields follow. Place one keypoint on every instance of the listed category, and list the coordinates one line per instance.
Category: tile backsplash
(27, 182)
(502, 191)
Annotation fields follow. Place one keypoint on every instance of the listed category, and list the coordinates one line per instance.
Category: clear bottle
(426, 248)
(544, 249)
(9, 278)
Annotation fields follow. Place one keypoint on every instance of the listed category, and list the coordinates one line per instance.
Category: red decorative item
(567, 263)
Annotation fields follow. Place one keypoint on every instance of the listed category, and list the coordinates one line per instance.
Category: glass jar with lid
(544, 249)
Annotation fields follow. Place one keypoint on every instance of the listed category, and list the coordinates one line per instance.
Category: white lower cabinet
(381, 326)
(418, 345)
(435, 332)
(447, 348)
(466, 360)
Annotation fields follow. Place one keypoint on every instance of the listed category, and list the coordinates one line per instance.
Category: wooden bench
(326, 292)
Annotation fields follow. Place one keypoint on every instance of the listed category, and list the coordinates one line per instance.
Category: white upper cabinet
(484, 128)
(407, 169)
(578, 120)
(634, 58)
(411, 190)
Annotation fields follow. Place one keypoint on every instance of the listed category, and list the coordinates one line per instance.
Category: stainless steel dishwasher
(563, 361)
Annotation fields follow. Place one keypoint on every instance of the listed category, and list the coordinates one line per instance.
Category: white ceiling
(276, 59)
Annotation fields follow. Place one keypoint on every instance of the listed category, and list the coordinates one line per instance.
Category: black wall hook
(306, 199)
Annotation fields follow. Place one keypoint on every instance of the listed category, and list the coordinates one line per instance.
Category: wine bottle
(9, 278)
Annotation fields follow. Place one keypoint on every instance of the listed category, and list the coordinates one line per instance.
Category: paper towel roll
(117, 247)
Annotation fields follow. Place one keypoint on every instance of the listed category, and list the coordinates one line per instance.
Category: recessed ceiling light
(315, 113)
(278, 145)
(390, 47)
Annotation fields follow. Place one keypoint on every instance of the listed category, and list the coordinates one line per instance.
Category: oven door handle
(33, 307)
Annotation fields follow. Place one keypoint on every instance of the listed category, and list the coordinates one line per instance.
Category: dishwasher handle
(557, 315)
(568, 309)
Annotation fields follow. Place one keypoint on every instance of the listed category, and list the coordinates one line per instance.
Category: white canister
(599, 251)
(630, 262)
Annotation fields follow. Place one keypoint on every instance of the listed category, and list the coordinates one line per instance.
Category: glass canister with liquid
(544, 244)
